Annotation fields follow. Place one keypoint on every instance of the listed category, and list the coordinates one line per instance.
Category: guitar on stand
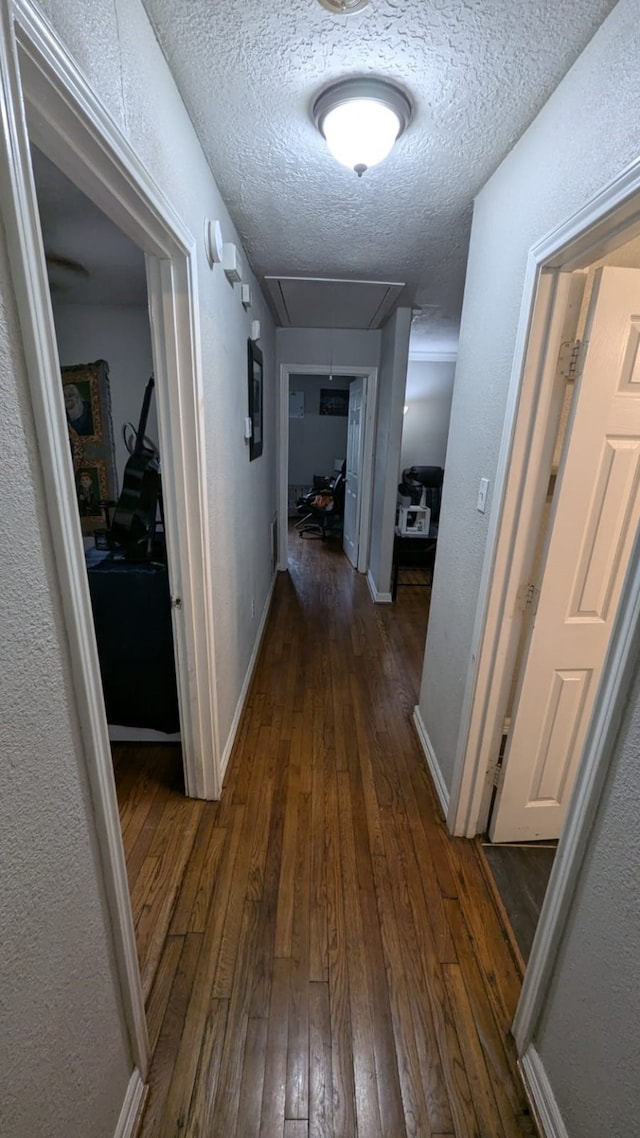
(133, 530)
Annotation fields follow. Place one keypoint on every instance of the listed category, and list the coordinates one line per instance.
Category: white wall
(425, 427)
(589, 1040)
(391, 388)
(584, 137)
(324, 347)
(65, 1062)
(119, 334)
(316, 441)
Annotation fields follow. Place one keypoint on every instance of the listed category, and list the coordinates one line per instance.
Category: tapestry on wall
(87, 401)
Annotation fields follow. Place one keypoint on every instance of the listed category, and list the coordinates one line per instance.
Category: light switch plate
(481, 504)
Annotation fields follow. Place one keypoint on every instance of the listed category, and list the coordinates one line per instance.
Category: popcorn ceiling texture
(476, 71)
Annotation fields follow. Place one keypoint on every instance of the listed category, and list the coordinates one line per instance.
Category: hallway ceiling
(477, 72)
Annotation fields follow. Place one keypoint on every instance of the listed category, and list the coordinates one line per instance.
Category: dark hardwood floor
(319, 958)
(521, 875)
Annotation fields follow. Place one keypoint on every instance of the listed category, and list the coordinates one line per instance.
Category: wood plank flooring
(319, 958)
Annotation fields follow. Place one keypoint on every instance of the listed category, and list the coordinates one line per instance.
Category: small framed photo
(255, 400)
(91, 490)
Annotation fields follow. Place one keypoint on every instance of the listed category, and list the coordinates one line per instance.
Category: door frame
(39, 80)
(611, 218)
(369, 375)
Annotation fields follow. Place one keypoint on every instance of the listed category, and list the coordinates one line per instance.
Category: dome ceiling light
(343, 7)
(361, 119)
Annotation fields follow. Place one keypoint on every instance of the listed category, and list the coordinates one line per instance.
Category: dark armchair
(322, 510)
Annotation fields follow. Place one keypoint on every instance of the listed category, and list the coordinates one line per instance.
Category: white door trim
(72, 128)
(75, 131)
(585, 237)
(370, 399)
(131, 1111)
(545, 1108)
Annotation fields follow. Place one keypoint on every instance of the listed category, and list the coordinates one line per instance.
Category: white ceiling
(477, 72)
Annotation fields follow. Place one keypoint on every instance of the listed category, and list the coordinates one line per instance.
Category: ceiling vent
(343, 7)
(319, 302)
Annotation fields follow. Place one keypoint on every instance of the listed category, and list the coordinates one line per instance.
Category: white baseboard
(379, 598)
(235, 723)
(541, 1096)
(131, 1107)
(441, 787)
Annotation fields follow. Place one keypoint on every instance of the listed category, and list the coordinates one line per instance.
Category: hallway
(319, 958)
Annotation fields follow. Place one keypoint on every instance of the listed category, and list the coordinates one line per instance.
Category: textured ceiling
(477, 72)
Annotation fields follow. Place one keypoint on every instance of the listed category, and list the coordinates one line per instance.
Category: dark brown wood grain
(320, 958)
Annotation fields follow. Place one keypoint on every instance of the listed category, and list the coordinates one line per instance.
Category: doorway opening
(564, 542)
(99, 304)
(327, 423)
(318, 418)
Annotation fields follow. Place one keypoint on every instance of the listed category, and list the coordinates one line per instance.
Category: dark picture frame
(255, 400)
(87, 400)
(334, 401)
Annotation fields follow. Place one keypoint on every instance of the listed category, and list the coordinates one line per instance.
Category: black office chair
(324, 509)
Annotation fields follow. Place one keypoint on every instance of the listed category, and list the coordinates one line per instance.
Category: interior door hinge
(528, 598)
(497, 775)
(497, 771)
(570, 359)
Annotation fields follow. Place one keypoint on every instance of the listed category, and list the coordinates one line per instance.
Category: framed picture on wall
(87, 401)
(255, 400)
(334, 401)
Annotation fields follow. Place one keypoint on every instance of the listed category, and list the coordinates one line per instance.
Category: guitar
(134, 518)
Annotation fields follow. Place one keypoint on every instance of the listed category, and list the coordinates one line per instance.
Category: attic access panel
(318, 302)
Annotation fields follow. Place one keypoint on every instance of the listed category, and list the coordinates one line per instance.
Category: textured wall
(584, 136)
(64, 1063)
(589, 1040)
(426, 423)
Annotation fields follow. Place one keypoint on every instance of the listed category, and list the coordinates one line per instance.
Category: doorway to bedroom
(100, 307)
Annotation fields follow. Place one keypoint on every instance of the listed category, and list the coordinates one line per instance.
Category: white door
(355, 439)
(596, 514)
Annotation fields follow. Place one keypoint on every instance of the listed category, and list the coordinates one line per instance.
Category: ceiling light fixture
(361, 119)
(343, 7)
